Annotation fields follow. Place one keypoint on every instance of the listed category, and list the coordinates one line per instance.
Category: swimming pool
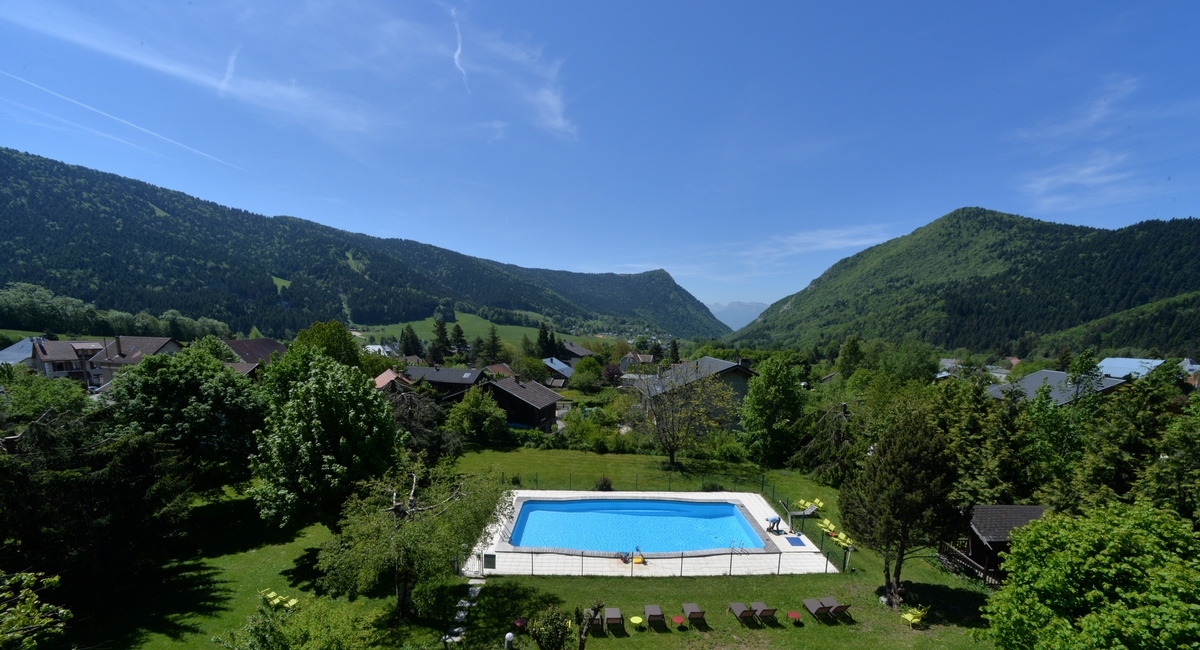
(621, 525)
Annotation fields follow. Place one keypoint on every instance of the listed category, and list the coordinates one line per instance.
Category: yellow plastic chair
(914, 616)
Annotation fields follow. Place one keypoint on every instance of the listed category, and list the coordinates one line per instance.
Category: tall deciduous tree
(773, 412)
(679, 408)
(24, 618)
(898, 501)
(408, 526)
(588, 374)
(327, 428)
(333, 339)
(1172, 480)
(204, 412)
(477, 417)
(1117, 577)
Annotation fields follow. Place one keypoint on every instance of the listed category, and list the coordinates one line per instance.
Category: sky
(743, 147)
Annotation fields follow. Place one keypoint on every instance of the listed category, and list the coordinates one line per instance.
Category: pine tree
(545, 342)
(440, 345)
(492, 348)
(410, 344)
(458, 340)
(674, 351)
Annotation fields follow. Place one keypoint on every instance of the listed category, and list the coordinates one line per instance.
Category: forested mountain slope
(639, 295)
(128, 245)
(986, 280)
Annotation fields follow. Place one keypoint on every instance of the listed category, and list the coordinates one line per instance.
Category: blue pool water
(616, 525)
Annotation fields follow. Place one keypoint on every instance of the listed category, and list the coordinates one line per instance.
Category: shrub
(604, 484)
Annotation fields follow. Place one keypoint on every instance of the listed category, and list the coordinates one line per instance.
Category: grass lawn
(954, 602)
(231, 554)
(472, 326)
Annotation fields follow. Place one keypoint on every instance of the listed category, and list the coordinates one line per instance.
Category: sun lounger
(835, 608)
(653, 614)
(816, 608)
(742, 612)
(612, 616)
(761, 611)
(597, 619)
(693, 612)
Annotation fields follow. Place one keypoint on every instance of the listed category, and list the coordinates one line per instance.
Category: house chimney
(745, 363)
(117, 340)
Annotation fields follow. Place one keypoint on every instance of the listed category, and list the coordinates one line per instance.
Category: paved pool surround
(495, 555)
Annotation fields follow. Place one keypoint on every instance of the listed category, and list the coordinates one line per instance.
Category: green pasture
(472, 326)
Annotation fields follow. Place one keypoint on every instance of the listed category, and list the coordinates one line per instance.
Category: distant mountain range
(989, 281)
(736, 314)
(127, 245)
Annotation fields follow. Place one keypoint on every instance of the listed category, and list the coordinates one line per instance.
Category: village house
(574, 352)
(736, 375)
(526, 404)
(55, 359)
(125, 351)
(989, 536)
(633, 358)
(1061, 389)
(559, 370)
(451, 383)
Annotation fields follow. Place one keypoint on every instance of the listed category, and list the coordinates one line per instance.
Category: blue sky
(744, 147)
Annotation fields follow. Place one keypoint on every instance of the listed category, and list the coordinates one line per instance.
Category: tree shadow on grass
(231, 526)
(500, 603)
(947, 605)
(304, 574)
(162, 601)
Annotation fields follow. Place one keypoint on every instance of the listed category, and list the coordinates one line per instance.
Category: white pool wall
(777, 556)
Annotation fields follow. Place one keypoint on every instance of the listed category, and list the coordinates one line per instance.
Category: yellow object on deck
(639, 560)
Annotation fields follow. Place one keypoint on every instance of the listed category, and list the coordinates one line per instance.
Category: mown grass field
(472, 326)
(232, 555)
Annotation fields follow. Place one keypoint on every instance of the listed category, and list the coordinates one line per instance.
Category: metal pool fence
(696, 481)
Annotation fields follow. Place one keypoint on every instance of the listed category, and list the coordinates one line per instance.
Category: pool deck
(494, 555)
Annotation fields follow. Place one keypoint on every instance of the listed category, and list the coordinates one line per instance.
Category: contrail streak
(117, 119)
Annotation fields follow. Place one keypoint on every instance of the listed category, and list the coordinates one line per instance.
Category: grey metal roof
(1061, 390)
(464, 376)
(1125, 366)
(995, 523)
(532, 393)
(256, 350)
(576, 349)
(559, 366)
(686, 373)
(18, 352)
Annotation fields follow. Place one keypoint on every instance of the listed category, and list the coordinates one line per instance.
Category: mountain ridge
(985, 280)
(129, 245)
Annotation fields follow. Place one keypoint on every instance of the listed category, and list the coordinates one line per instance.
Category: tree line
(99, 492)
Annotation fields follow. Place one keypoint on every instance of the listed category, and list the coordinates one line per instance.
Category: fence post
(537, 485)
(669, 487)
(763, 487)
(570, 481)
(635, 482)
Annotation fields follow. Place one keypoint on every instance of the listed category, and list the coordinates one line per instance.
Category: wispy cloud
(229, 66)
(1089, 162)
(458, 51)
(1090, 122)
(117, 119)
(535, 80)
(289, 97)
